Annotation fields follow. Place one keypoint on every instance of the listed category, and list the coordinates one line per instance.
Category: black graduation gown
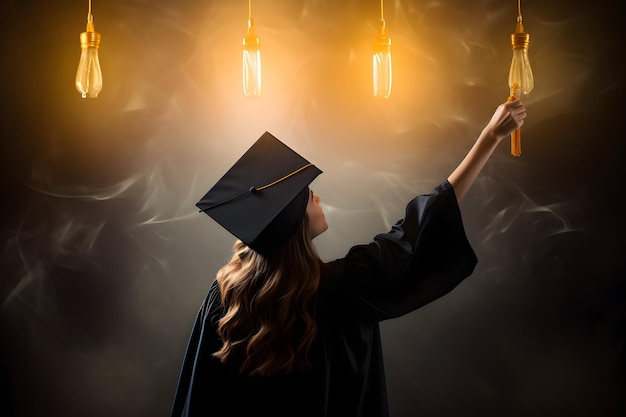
(423, 257)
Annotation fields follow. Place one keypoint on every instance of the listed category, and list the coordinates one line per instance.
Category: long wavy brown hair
(269, 321)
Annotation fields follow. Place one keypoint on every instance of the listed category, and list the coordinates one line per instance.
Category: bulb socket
(520, 40)
(90, 39)
(251, 42)
(382, 45)
(382, 42)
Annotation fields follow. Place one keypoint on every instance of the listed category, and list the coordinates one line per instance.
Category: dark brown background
(105, 259)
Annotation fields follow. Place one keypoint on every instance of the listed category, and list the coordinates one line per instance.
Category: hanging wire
(89, 15)
(382, 16)
(520, 26)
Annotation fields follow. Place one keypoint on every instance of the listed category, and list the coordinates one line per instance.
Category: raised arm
(507, 117)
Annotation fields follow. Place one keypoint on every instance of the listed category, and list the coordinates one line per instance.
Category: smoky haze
(105, 258)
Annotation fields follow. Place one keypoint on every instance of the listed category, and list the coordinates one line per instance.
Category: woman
(283, 333)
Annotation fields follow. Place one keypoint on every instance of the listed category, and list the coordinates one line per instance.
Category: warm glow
(251, 63)
(521, 81)
(381, 60)
(89, 74)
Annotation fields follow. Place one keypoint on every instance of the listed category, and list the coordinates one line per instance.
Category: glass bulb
(251, 63)
(381, 62)
(520, 75)
(89, 74)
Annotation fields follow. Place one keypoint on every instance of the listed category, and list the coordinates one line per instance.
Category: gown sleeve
(423, 257)
(199, 372)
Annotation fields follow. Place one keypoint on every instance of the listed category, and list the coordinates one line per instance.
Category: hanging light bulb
(251, 59)
(521, 81)
(381, 59)
(89, 75)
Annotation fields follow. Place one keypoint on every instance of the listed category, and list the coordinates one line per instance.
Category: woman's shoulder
(212, 306)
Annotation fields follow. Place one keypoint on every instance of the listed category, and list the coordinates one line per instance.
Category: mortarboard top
(262, 198)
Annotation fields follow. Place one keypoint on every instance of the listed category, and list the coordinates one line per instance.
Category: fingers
(517, 110)
(507, 117)
(515, 106)
(514, 103)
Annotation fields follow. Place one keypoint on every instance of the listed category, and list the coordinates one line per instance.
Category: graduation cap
(262, 198)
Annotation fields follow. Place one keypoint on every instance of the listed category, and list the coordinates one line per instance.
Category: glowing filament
(381, 60)
(89, 74)
(521, 81)
(251, 61)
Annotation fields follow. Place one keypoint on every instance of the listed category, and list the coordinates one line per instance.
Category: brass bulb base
(520, 40)
(382, 38)
(90, 39)
(382, 47)
(251, 42)
(382, 43)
